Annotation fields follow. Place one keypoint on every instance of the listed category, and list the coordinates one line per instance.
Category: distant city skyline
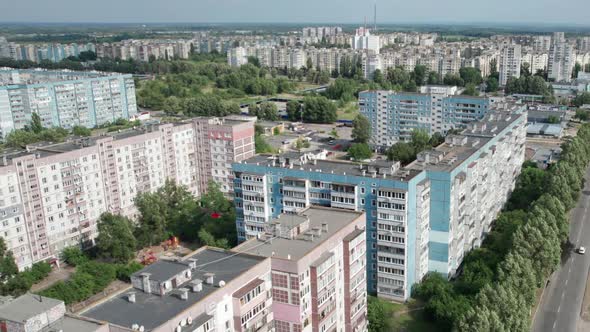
(573, 12)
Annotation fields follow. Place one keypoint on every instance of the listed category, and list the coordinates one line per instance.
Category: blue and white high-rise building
(394, 115)
(421, 217)
(64, 98)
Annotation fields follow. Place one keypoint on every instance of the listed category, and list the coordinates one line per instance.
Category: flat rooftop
(27, 306)
(452, 153)
(152, 310)
(336, 167)
(298, 247)
(10, 76)
(72, 324)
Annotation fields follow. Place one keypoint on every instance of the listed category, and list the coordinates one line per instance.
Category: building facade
(509, 65)
(63, 98)
(415, 215)
(562, 59)
(318, 264)
(394, 115)
(53, 194)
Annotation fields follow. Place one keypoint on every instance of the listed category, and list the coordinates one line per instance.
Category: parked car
(581, 250)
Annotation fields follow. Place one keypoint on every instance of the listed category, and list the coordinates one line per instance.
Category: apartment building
(394, 115)
(318, 275)
(561, 60)
(363, 40)
(415, 218)
(509, 65)
(53, 194)
(267, 187)
(209, 290)
(237, 57)
(462, 172)
(64, 98)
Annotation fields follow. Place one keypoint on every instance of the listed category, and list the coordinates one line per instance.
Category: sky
(574, 12)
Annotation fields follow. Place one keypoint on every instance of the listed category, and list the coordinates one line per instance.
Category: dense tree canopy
(499, 280)
(360, 151)
(115, 241)
(361, 129)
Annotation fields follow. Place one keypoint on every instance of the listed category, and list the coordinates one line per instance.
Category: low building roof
(151, 310)
(24, 307)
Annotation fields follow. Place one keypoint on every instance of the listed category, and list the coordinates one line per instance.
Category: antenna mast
(375, 18)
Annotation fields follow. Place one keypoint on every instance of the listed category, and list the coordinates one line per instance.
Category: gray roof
(335, 167)
(299, 247)
(27, 306)
(72, 324)
(152, 310)
(163, 270)
(476, 136)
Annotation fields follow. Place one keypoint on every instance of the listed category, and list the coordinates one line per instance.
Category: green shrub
(74, 256)
(124, 272)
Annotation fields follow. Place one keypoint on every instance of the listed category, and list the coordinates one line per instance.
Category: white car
(582, 250)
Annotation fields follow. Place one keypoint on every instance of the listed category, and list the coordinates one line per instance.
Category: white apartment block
(561, 60)
(53, 194)
(509, 65)
(363, 40)
(537, 61)
(237, 57)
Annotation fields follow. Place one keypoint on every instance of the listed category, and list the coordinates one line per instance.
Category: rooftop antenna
(365, 25)
(375, 18)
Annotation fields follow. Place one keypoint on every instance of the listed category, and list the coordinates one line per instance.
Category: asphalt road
(561, 304)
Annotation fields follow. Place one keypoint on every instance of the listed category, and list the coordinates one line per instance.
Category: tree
(301, 143)
(581, 99)
(402, 152)
(360, 151)
(525, 69)
(8, 267)
(319, 110)
(494, 67)
(453, 79)
(86, 56)
(419, 74)
(334, 133)
(470, 90)
(553, 119)
(361, 129)
(582, 115)
(81, 131)
(470, 75)
(261, 146)
(209, 240)
(420, 140)
(36, 125)
(577, 69)
(254, 61)
(492, 84)
(293, 110)
(269, 111)
(73, 256)
(529, 186)
(115, 241)
(378, 315)
(309, 64)
(434, 78)
(436, 139)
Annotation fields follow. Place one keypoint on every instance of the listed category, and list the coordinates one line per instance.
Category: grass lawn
(348, 112)
(412, 321)
(407, 317)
